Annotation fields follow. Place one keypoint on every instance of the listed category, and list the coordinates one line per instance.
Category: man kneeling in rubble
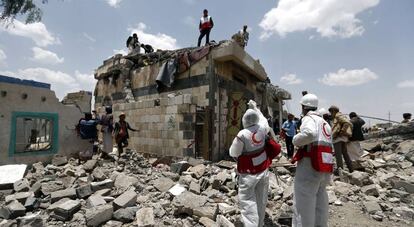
(254, 151)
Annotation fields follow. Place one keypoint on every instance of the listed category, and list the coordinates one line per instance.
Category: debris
(126, 215)
(65, 211)
(98, 215)
(176, 190)
(145, 217)
(127, 199)
(9, 174)
(59, 160)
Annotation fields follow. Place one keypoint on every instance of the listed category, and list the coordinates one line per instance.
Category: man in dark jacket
(354, 147)
(121, 133)
(205, 26)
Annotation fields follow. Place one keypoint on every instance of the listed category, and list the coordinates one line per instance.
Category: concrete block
(94, 201)
(67, 193)
(106, 184)
(20, 196)
(187, 99)
(16, 209)
(36, 189)
(98, 215)
(31, 203)
(179, 99)
(84, 191)
(65, 211)
(21, 185)
(127, 199)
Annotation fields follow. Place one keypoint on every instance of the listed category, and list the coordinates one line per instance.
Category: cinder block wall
(166, 125)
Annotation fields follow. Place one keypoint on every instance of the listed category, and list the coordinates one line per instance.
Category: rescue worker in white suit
(253, 162)
(314, 167)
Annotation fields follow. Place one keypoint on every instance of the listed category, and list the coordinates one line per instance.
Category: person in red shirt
(121, 133)
(205, 26)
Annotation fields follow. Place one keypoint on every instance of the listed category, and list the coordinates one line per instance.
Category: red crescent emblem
(325, 132)
(254, 139)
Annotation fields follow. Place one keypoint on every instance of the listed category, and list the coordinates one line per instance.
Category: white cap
(309, 100)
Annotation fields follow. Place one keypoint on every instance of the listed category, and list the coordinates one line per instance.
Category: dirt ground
(350, 215)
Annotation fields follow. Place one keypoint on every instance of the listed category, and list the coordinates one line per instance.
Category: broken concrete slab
(105, 184)
(94, 201)
(206, 211)
(9, 174)
(372, 206)
(65, 210)
(177, 189)
(126, 215)
(163, 184)
(222, 221)
(84, 191)
(59, 160)
(197, 171)
(67, 193)
(20, 196)
(187, 202)
(145, 217)
(207, 222)
(370, 190)
(90, 165)
(126, 199)
(124, 181)
(179, 167)
(98, 215)
(31, 203)
(16, 209)
(48, 187)
(409, 187)
(195, 188)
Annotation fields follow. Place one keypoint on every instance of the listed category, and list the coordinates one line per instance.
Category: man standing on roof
(205, 26)
(314, 168)
(133, 44)
(241, 37)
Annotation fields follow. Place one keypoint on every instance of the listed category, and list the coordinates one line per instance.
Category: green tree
(12, 8)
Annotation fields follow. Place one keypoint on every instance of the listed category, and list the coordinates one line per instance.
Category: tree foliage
(12, 8)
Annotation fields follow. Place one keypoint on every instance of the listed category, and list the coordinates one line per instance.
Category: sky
(356, 54)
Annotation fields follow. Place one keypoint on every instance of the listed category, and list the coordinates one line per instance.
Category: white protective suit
(253, 188)
(310, 199)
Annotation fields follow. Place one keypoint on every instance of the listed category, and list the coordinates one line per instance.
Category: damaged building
(35, 125)
(186, 102)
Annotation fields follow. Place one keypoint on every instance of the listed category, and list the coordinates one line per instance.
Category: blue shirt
(290, 128)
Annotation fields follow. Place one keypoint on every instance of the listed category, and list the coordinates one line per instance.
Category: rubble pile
(136, 191)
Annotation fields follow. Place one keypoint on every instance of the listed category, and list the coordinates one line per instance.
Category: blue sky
(356, 54)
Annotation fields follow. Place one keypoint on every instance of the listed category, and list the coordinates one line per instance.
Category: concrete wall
(39, 100)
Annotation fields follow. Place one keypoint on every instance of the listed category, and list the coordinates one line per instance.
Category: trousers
(253, 189)
(107, 142)
(310, 199)
(341, 150)
(289, 146)
(203, 33)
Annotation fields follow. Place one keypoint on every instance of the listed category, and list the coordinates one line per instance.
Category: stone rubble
(137, 191)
